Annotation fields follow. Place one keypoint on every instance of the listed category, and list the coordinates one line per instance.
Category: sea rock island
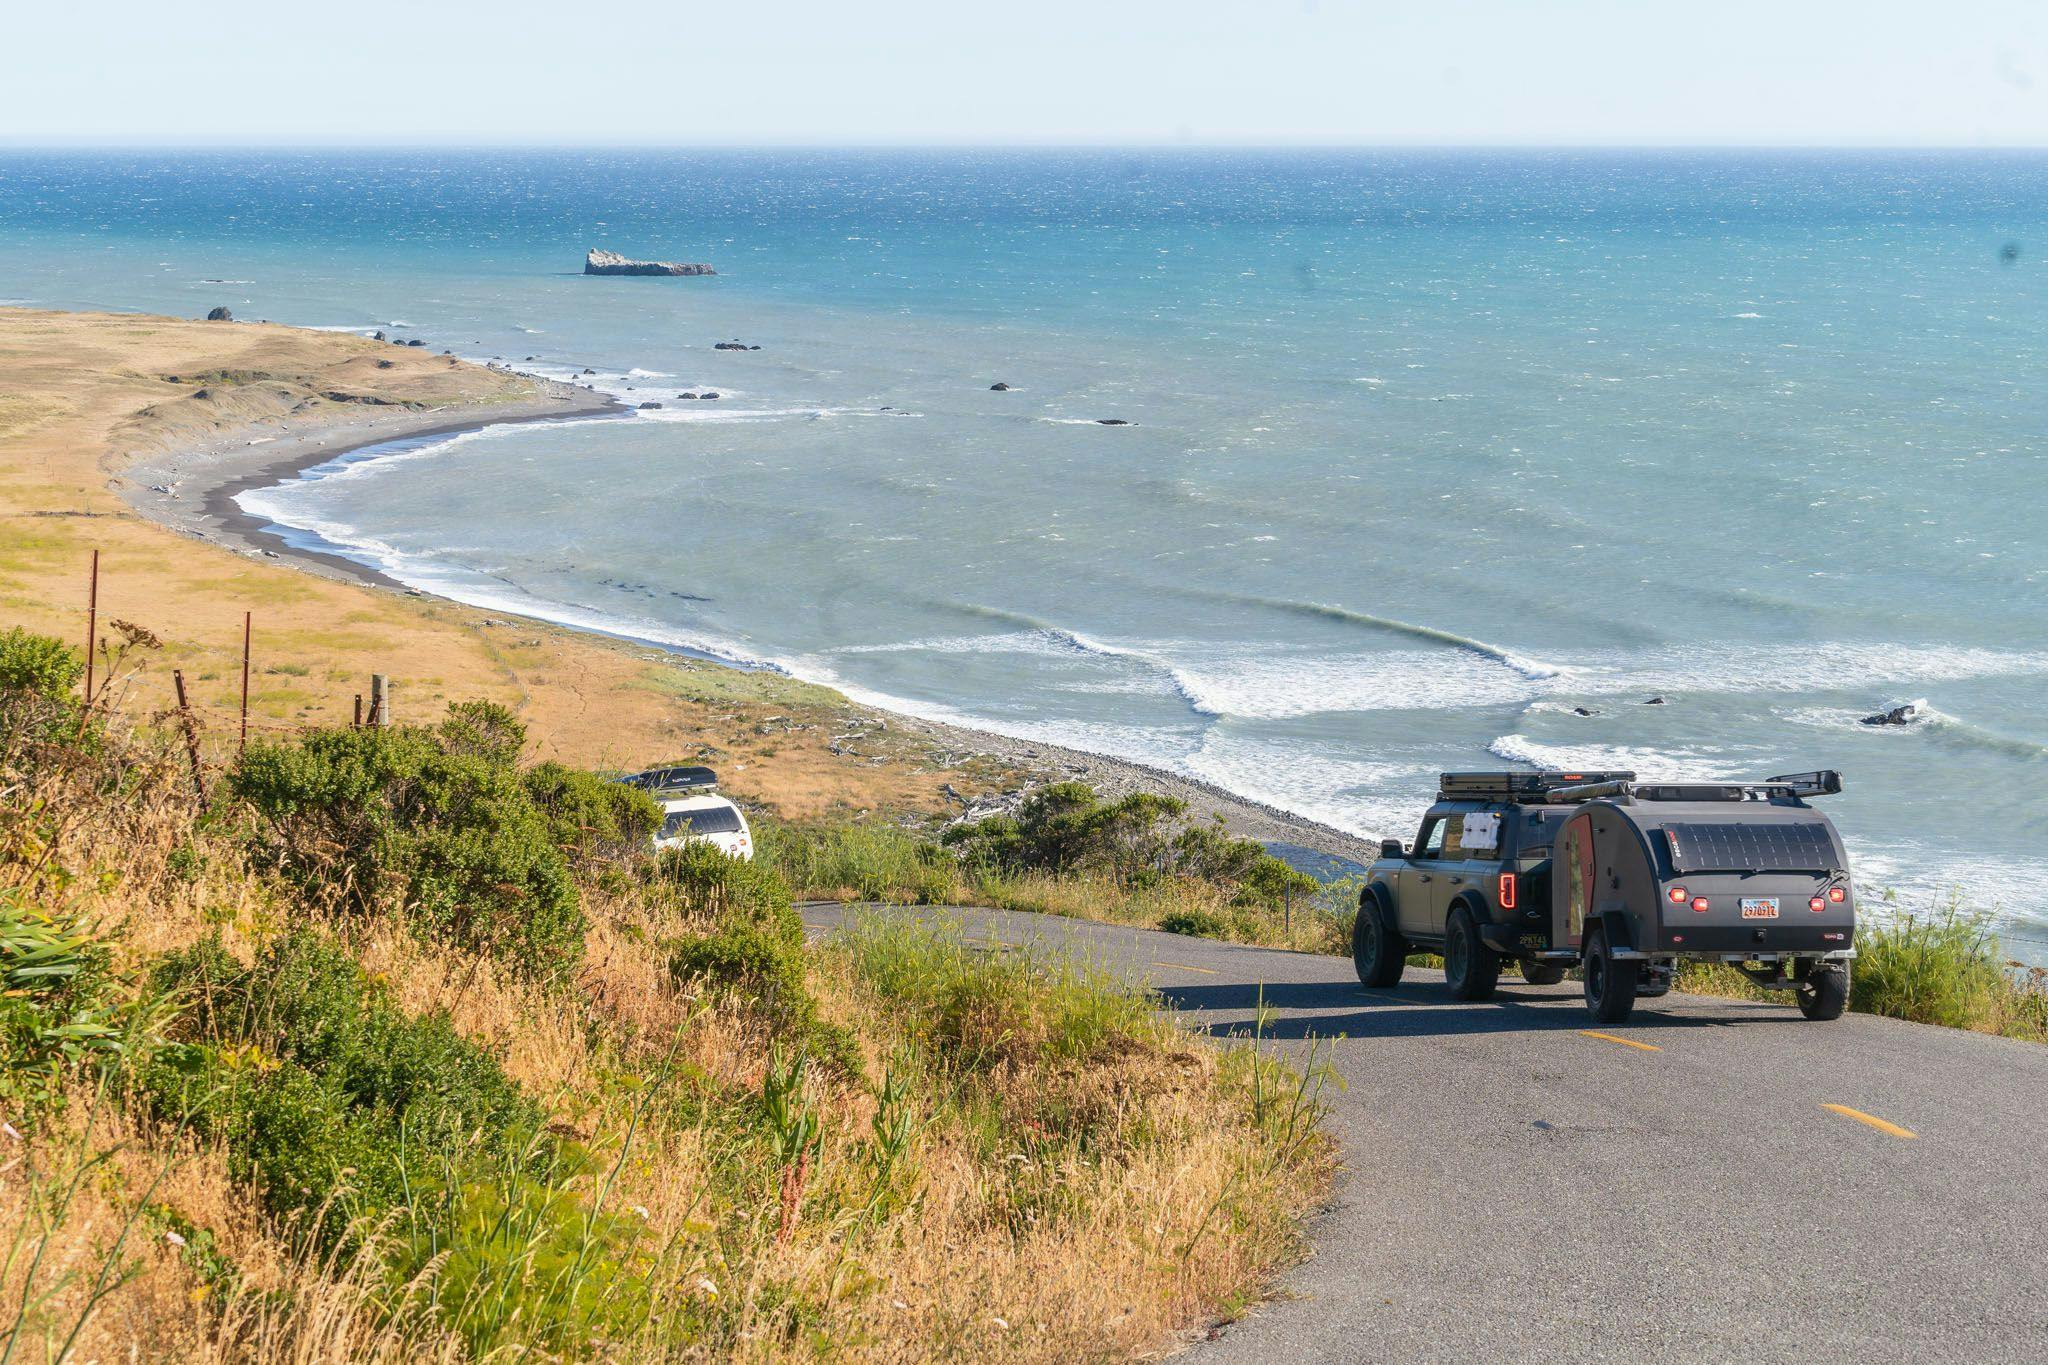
(599, 262)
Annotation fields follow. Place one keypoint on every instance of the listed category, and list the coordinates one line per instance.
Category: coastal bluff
(598, 262)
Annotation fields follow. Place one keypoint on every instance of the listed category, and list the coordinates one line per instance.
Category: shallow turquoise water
(1427, 450)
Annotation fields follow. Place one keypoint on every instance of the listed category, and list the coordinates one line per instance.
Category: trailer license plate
(1759, 907)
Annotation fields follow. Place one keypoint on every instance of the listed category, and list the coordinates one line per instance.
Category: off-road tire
(1471, 969)
(1377, 951)
(1824, 994)
(1542, 973)
(1610, 985)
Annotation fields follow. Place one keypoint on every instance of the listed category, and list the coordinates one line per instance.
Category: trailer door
(1577, 882)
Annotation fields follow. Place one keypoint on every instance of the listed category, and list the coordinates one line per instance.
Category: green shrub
(39, 665)
(483, 729)
(1195, 924)
(330, 1097)
(753, 948)
(977, 1007)
(1138, 840)
(38, 675)
(57, 1008)
(527, 1262)
(1942, 968)
(593, 819)
(378, 817)
(864, 862)
(704, 883)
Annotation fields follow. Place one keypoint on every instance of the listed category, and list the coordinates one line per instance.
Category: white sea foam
(685, 410)
(1359, 796)
(1648, 763)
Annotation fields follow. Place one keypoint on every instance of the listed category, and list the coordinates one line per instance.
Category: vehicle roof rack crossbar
(1794, 786)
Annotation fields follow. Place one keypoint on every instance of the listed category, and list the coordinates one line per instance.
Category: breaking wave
(1523, 664)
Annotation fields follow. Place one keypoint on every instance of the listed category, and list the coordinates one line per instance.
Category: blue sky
(1885, 72)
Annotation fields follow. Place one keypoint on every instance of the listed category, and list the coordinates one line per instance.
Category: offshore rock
(598, 262)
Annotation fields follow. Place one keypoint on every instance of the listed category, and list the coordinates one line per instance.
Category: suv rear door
(1472, 859)
(1437, 874)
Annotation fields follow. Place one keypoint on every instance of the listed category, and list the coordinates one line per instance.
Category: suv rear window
(1536, 832)
(1750, 848)
(709, 820)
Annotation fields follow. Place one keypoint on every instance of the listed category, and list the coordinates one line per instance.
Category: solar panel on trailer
(1801, 847)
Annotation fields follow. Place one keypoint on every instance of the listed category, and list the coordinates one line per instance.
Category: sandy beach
(192, 488)
(156, 424)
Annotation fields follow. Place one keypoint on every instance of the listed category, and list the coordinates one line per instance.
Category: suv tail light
(1507, 890)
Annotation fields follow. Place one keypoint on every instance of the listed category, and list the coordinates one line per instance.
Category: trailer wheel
(1824, 994)
(1610, 985)
(1379, 953)
(1471, 969)
(1541, 973)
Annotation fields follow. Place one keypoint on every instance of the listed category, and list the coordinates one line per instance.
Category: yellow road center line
(1625, 1042)
(1875, 1122)
(1183, 967)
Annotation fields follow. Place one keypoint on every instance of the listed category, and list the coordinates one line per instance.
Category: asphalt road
(1678, 1188)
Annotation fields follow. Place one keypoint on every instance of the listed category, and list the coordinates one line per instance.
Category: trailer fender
(1621, 937)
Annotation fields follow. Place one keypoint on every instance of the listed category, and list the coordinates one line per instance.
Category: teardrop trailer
(1620, 879)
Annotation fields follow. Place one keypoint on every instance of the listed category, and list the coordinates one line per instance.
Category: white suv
(706, 819)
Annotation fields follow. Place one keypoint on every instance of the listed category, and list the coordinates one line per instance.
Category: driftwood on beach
(598, 262)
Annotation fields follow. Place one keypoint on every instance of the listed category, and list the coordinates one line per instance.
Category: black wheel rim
(1454, 954)
(1369, 940)
(1596, 976)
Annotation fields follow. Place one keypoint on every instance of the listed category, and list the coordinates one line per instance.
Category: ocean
(1431, 460)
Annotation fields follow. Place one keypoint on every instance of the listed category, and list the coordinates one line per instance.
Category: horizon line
(84, 144)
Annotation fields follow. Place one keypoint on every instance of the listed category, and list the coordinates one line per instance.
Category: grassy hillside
(394, 1045)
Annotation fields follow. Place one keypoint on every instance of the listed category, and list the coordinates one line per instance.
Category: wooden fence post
(191, 732)
(380, 700)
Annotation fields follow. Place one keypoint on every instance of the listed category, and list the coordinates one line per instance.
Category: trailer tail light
(1677, 894)
(1816, 904)
(1838, 894)
(1699, 903)
(1507, 890)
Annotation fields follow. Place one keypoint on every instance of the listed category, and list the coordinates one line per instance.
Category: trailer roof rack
(1523, 786)
(657, 781)
(1791, 786)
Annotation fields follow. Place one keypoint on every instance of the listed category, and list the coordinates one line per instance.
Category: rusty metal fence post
(247, 618)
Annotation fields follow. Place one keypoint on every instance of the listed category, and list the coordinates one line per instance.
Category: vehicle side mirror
(1391, 848)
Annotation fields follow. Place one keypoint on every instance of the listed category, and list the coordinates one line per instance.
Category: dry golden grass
(1087, 896)
(998, 1238)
